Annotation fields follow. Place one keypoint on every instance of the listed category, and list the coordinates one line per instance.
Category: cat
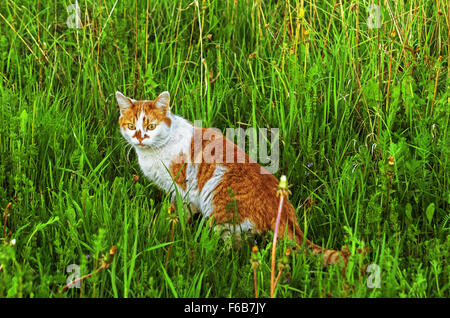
(236, 196)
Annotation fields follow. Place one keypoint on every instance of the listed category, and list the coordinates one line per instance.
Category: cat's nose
(138, 136)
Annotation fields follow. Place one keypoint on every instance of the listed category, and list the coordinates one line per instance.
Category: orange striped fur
(235, 195)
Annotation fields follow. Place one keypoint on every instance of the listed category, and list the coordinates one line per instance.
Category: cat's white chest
(155, 167)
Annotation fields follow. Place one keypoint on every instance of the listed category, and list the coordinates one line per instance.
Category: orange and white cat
(238, 195)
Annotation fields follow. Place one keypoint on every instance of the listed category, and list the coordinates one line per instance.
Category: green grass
(345, 98)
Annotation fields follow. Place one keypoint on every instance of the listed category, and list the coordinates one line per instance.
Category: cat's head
(145, 123)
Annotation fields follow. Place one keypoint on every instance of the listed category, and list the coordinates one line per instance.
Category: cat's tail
(329, 256)
(288, 223)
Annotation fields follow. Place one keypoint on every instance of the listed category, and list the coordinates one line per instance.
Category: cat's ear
(163, 102)
(123, 101)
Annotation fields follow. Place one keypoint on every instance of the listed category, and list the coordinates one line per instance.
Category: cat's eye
(151, 126)
(131, 126)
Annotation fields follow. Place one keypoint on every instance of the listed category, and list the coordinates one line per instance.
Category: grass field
(361, 104)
